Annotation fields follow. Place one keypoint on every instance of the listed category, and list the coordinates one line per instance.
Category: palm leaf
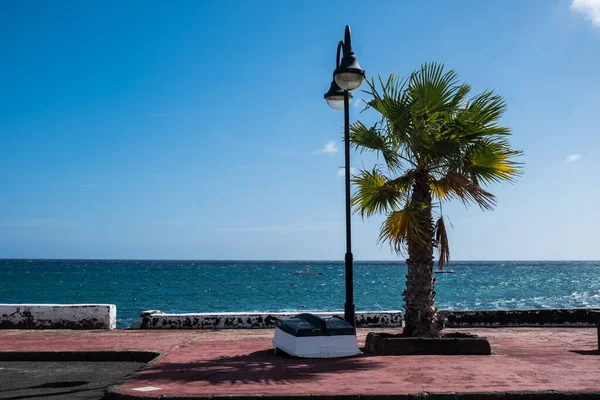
(489, 161)
(485, 108)
(432, 90)
(375, 193)
(372, 139)
(392, 104)
(459, 97)
(441, 240)
(455, 185)
(401, 226)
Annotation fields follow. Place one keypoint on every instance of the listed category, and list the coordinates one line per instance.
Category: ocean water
(226, 286)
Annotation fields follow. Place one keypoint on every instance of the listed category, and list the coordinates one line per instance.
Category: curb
(128, 355)
(112, 394)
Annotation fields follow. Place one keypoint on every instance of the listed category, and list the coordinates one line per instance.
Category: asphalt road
(52, 380)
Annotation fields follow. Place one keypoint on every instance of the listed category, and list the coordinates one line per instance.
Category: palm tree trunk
(419, 296)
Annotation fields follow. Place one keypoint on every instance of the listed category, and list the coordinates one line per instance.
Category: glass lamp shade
(349, 80)
(335, 103)
(349, 75)
(335, 97)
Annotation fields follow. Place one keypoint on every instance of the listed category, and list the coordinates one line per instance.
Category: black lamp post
(348, 75)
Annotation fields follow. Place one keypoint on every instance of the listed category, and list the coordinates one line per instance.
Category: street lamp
(348, 75)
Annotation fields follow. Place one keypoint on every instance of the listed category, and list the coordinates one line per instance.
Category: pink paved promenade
(241, 362)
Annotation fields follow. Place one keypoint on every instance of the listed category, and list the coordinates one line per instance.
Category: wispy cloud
(342, 171)
(573, 157)
(329, 148)
(589, 8)
(317, 226)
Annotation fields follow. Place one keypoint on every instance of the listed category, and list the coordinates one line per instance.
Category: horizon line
(273, 260)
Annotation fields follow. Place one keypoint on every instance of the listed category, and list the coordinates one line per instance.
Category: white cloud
(329, 148)
(573, 157)
(589, 8)
(342, 171)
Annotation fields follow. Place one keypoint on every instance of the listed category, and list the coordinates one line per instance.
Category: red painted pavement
(242, 362)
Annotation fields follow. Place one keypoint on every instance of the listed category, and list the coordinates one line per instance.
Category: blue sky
(198, 130)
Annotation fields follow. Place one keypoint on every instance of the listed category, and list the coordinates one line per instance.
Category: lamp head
(348, 74)
(335, 96)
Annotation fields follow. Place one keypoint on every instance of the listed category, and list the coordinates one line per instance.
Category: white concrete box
(312, 336)
(58, 316)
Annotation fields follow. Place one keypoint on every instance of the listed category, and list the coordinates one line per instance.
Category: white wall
(58, 316)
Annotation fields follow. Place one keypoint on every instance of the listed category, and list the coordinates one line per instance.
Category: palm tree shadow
(263, 367)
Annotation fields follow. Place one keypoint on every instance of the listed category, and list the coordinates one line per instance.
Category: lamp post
(348, 75)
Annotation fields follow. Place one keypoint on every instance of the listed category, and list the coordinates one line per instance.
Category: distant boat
(307, 271)
(443, 271)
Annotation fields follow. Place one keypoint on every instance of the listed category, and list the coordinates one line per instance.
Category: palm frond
(490, 161)
(485, 108)
(441, 189)
(460, 96)
(441, 241)
(455, 185)
(392, 103)
(376, 193)
(432, 90)
(401, 226)
(372, 139)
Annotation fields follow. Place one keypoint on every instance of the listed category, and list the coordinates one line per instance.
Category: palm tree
(437, 145)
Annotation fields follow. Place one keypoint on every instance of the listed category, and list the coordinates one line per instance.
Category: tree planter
(450, 344)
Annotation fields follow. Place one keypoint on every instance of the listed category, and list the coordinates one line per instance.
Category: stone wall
(103, 316)
(58, 316)
(383, 319)
(500, 318)
(158, 320)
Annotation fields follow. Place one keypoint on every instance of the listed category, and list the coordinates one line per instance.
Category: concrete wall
(58, 316)
(499, 318)
(383, 319)
(103, 316)
(157, 320)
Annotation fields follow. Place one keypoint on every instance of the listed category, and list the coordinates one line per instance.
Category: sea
(290, 286)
